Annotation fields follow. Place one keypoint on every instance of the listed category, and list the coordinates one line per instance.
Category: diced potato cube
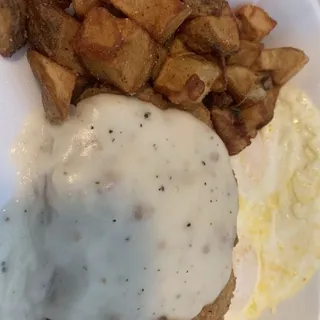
(240, 81)
(187, 78)
(116, 51)
(284, 63)
(161, 18)
(247, 55)
(13, 18)
(82, 7)
(261, 113)
(57, 85)
(207, 34)
(148, 94)
(51, 31)
(232, 131)
(255, 23)
(205, 8)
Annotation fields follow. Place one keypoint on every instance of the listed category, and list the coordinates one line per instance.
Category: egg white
(278, 222)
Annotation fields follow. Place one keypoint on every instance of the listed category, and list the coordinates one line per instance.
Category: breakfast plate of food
(160, 159)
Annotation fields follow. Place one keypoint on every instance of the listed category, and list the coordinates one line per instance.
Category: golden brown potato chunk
(230, 129)
(82, 83)
(82, 7)
(247, 55)
(13, 18)
(255, 23)
(177, 47)
(260, 114)
(187, 78)
(148, 94)
(240, 81)
(161, 18)
(116, 51)
(51, 31)
(161, 57)
(284, 63)
(205, 7)
(207, 34)
(57, 84)
(62, 4)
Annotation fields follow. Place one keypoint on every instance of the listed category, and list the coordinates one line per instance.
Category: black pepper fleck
(25, 210)
(92, 127)
(85, 268)
(114, 139)
(205, 183)
(114, 220)
(187, 271)
(127, 239)
(144, 268)
(158, 270)
(138, 309)
(157, 177)
(203, 163)
(141, 125)
(189, 225)
(211, 201)
(7, 219)
(178, 296)
(161, 188)
(147, 115)
(65, 173)
(110, 131)
(142, 290)
(170, 178)
(97, 182)
(127, 280)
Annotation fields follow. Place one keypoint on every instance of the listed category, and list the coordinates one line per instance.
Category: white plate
(298, 25)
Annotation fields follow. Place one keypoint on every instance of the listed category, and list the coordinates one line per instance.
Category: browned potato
(51, 31)
(205, 7)
(284, 63)
(98, 89)
(247, 55)
(82, 7)
(62, 4)
(177, 47)
(57, 84)
(82, 83)
(260, 114)
(13, 17)
(256, 94)
(198, 110)
(230, 129)
(203, 114)
(161, 18)
(240, 81)
(207, 34)
(160, 59)
(187, 78)
(148, 94)
(255, 23)
(116, 51)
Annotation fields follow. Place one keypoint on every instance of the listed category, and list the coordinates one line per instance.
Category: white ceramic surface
(298, 25)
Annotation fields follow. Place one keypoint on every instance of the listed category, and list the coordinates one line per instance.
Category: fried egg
(278, 221)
